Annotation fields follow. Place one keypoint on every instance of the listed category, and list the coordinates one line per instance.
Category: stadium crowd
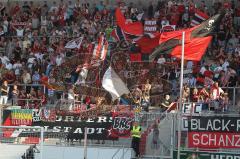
(33, 38)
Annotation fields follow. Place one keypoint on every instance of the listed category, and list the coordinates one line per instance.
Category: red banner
(213, 140)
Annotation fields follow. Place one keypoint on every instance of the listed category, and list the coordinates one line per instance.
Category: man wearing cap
(136, 136)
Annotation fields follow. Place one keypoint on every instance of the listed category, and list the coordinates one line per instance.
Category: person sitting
(165, 103)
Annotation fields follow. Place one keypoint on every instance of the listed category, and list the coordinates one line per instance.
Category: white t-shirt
(39, 56)
(59, 60)
(17, 67)
(9, 66)
(164, 22)
(1, 33)
(225, 65)
(161, 60)
(20, 32)
(27, 78)
(4, 59)
(217, 70)
(202, 70)
(31, 60)
(53, 8)
(216, 93)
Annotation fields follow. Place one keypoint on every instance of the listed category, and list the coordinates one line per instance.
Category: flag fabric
(100, 49)
(113, 84)
(198, 18)
(193, 50)
(132, 28)
(148, 43)
(196, 39)
(118, 34)
(74, 44)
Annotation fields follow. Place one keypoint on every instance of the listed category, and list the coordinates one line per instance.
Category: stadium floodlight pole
(85, 143)
(179, 115)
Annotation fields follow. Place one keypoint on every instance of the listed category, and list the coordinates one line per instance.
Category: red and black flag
(198, 18)
(118, 34)
(131, 28)
(197, 40)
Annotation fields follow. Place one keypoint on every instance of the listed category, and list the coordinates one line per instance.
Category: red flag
(147, 44)
(196, 41)
(133, 28)
(193, 50)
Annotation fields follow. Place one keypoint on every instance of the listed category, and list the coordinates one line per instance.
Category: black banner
(214, 124)
(71, 127)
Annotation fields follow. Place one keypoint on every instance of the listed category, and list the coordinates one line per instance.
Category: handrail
(22, 84)
(25, 99)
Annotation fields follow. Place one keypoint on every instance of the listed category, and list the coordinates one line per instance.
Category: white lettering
(46, 128)
(230, 140)
(221, 141)
(199, 124)
(69, 118)
(237, 144)
(102, 119)
(66, 129)
(195, 139)
(225, 126)
(212, 157)
(90, 120)
(212, 140)
(238, 125)
(99, 130)
(204, 140)
(194, 124)
(78, 130)
(59, 118)
(56, 128)
(90, 130)
(209, 125)
(214, 124)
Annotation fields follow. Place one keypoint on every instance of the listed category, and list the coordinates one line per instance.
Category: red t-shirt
(181, 8)
(200, 80)
(174, 19)
(227, 5)
(208, 73)
(61, 20)
(15, 10)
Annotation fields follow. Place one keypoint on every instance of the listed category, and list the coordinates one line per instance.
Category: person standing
(4, 93)
(136, 137)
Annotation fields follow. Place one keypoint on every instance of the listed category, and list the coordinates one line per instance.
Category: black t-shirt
(2, 92)
(165, 103)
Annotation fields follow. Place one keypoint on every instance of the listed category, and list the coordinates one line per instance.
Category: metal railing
(27, 103)
(30, 85)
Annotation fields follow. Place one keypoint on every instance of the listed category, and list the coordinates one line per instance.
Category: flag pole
(85, 143)
(180, 99)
